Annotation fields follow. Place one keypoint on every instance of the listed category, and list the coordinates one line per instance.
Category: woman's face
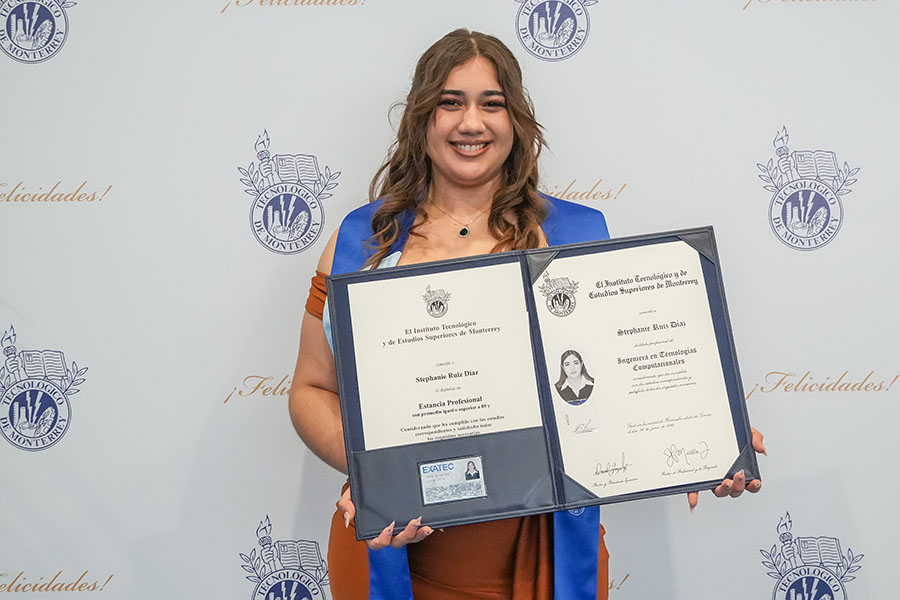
(572, 366)
(470, 466)
(470, 134)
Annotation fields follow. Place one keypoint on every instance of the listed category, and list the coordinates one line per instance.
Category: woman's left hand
(412, 533)
(735, 487)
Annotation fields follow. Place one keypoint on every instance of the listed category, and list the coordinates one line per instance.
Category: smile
(470, 147)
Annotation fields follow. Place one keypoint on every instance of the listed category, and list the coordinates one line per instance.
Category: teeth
(470, 147)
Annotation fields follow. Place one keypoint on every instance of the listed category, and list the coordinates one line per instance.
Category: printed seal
(33, 30)
(286, 569)
(553, 30)
(35, 386)
(806, 210)
(437, 302)
(286, 215)
(809, 568)
(559, 293)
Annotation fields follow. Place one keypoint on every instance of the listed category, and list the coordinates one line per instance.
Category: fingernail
(346, 520)
(764, 451)
(728, 486)
(739, 474)
(418, 521)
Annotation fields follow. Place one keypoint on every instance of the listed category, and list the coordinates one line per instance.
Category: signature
(611, 468)
(584, 428)
(674, 455)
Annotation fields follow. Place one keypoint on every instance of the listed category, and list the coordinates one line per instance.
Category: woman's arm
(316, 413)
(313, 400)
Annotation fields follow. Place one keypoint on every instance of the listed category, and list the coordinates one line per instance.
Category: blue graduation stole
(576, 534)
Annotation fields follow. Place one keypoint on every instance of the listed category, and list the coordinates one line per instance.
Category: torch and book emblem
(437, 302)
(559, 293)
(288, 190)
(285, 569)
(553, 29)
(33, 31)
(35, 386)
(806, 210)
(809, 568)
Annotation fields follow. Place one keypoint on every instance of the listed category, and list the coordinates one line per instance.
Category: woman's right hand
(412, 533)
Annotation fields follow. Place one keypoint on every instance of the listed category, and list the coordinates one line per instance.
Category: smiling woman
(470, 136)
(465, 159)
(460, 180)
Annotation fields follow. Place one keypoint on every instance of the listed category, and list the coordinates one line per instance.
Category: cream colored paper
(658, 414)
(424, 378)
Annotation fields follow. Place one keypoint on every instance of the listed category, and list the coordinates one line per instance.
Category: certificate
(637, 341)
(450, 358)
(531, 381)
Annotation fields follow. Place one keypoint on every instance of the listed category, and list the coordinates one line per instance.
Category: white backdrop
(158, 285)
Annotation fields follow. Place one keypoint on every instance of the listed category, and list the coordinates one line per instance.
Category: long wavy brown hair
(517, 210)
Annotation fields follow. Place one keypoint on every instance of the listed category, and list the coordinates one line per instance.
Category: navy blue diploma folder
(524, 382)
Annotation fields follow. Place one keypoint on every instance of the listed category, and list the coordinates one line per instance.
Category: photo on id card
(451, 480)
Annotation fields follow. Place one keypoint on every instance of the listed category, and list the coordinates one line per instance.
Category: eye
(449, 102)
(495, 104)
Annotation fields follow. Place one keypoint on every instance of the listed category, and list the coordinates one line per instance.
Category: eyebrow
(462, 94)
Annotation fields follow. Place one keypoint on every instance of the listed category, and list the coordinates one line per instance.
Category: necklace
(464, 230)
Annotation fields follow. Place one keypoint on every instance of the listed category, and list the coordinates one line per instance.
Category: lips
(470, 148)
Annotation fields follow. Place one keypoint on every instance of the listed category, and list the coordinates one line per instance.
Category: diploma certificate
(449, 355)
(641, 338)
(531, 381)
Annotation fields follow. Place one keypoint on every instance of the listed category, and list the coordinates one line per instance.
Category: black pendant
(464, 232)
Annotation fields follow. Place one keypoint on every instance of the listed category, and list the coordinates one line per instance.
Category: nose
(471, 122)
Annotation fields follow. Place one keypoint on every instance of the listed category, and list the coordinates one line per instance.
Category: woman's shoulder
(351, 248)
(361, 217)
(570, 223)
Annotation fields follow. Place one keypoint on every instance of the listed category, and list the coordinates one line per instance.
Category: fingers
(735, 487)
(693, 498)
(384, 538)
(758, 441)
(724, 488)
(412, 533)
(345, 504)
(740, 482)
(729, 487)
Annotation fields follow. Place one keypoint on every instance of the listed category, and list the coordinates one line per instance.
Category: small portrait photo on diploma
(575, 383)
(451, 480)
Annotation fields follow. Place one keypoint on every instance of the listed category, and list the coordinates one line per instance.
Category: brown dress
(510, 559)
